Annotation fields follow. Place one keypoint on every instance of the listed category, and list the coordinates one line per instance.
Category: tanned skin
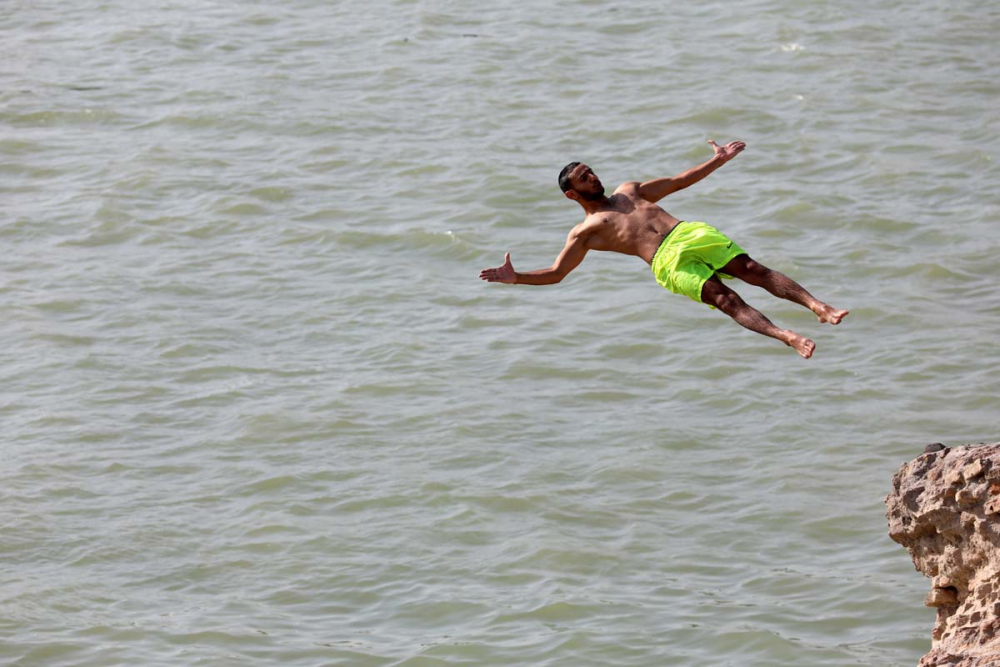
(630, 222)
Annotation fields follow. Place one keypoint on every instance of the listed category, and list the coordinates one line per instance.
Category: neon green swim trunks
(691, 254)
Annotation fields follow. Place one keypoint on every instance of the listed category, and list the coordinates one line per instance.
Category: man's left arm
(570, 257)
(659, 188)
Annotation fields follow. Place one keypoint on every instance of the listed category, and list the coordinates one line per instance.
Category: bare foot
(802, 345)
(829, 314)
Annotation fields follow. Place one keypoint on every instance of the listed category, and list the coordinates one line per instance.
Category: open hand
(501, 274)
(729, 151)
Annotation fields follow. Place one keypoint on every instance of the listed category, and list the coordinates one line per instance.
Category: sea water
(257, 408)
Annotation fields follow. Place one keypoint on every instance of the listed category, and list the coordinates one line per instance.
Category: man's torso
(629, 224)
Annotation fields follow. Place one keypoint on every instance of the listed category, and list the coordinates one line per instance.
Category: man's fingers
(490, 275)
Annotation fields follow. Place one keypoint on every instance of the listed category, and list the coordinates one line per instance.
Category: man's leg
(780, 285)
(716, 294)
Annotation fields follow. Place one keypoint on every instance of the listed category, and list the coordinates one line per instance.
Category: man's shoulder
(628, 187)
(589, 224)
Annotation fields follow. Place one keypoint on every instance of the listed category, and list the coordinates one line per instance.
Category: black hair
(564, 182)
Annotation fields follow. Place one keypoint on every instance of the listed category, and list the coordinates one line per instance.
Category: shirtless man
(686, 257)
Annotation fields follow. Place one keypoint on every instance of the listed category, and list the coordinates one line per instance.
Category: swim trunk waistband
(663, 242)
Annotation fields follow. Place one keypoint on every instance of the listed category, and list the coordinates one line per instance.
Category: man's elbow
(558, 275)
(655, 194)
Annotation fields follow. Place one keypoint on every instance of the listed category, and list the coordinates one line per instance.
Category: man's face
(586, 183)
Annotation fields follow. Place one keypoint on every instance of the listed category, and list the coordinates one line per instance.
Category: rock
(942, 597)
(945, 509)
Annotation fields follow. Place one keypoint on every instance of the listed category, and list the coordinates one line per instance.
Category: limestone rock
(945, 509)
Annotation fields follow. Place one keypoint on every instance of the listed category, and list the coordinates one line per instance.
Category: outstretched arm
(568, 259)
(659, 188)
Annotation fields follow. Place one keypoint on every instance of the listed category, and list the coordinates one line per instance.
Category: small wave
(48, 118)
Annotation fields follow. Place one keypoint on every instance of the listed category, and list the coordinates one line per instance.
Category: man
(686, 257)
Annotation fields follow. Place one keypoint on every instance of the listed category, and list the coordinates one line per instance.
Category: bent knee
(755, 268)
(751, 271)
(728, 303)
(718, 295)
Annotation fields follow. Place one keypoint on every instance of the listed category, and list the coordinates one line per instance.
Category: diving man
(685, 257)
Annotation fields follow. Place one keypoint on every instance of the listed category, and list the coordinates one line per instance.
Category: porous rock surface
(945, 509)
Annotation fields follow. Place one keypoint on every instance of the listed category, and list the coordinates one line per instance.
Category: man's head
(578, 181)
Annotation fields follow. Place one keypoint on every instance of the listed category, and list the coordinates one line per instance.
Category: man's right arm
(570, 257)
(659, 188)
